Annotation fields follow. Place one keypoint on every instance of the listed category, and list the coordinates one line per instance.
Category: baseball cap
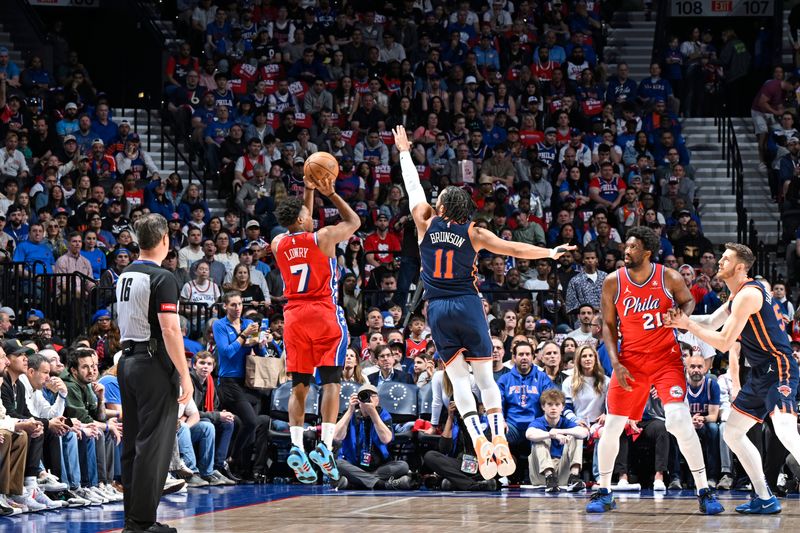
(133, 137)
(14, 347)
(36, 313)
(71, 105)
(470, 79)
(60, 211)
(684, 212)
(98, 141)
(252, 224)
(354, 238)
(123, 251)
(542, 324)
(367, 387)
(673, 179)
(175, 217)
(792, 140)
(299, 160)
(10, 312)
(68, 138)
(550, 130)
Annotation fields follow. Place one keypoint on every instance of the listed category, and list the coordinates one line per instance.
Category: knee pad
(301, 379)
(330, 374)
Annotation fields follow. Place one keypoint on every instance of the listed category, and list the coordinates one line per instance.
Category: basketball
(321, 167)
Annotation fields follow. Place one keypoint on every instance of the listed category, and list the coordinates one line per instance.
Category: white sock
(296, 433)
(496, 424)
(608, 448)
(30, 481)
(327, 434)
(473, 424)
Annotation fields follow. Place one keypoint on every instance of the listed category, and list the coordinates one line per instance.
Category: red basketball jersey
(639, 309)
(415, 347)
(308, 274)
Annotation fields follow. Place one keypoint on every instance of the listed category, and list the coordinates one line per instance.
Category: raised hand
(401, 139)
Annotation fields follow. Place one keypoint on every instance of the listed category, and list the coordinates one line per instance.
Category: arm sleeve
(416, 195)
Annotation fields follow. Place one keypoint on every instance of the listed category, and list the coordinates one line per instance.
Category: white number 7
(302, 271)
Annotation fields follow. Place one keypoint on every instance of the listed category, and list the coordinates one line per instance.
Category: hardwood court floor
(517, 511)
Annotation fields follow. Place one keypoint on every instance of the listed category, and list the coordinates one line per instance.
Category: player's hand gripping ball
(321, 169)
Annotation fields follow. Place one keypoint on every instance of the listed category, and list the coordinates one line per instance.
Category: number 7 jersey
(639, 309)
(308, 274)
(448, 260)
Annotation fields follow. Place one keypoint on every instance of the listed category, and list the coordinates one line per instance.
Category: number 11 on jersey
(448, 264)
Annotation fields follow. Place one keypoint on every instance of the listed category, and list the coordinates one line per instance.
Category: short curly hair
(288, 211)
(651, 241)
(458, 206)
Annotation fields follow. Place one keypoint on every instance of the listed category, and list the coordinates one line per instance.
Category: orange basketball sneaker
(484, 452)
(502, 456)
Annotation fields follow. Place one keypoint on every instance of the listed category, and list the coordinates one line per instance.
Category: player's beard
(632, 263)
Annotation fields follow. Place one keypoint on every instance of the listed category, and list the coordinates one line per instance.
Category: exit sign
(722, 6)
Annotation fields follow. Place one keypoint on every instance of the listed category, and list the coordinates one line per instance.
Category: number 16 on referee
(152, 369)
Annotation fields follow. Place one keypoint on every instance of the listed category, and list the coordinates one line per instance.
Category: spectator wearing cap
(7, 317)
(136, 159)
(691, 247)
(101, 165)
(381, 245)
(9, 68)
(69, 123)
(365, 433)
(12, 161)
(583, 154)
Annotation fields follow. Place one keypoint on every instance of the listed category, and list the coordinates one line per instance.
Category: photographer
(365, 434)
(455, 461)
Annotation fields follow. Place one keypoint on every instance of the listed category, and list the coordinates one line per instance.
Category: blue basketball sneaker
(298, 461)
(758, 506)
(323, 457)
(709, 504)
(602, 501)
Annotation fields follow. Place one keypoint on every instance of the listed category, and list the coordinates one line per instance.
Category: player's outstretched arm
(484, 239)
(714, 320)
(745, 304)
(329, 236)
(421, 210)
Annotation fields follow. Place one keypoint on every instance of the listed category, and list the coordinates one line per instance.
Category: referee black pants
(149, 388)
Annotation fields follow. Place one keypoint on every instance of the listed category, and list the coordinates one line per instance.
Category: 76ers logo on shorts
(676, 391)
(785, 390)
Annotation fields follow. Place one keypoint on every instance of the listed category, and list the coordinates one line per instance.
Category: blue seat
(279, 406)
(348, 389)
(400, 399)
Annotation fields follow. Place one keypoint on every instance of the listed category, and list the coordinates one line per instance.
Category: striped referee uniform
(149, 385)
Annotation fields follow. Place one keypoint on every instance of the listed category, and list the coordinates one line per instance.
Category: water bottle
(262, 337)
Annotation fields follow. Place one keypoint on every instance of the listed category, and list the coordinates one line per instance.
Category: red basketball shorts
(315, 335)
(667, 376)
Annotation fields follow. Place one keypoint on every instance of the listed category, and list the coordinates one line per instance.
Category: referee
(152, 368)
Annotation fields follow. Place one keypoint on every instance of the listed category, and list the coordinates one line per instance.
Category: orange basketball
(321, 167)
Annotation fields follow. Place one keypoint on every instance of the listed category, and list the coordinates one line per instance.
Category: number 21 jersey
(448, 260)
(308, 274)
(639, 310)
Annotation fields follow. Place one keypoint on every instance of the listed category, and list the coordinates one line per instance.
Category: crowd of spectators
(510, 100)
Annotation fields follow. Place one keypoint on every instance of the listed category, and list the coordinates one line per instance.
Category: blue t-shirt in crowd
(556, 448)
(112, 394)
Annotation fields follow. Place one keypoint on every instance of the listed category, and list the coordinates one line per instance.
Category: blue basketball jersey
(448, 260)
(764, 339)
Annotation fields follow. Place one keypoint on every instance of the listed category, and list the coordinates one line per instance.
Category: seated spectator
(703, 396)
(194, 431)
(352, 370)
(34, 253)
(653, 88)
(550, 362)
(365, 432)
(450, 462)
(387, 371)
(557, 455)
(521, 389)
(86, 403)
(583, 334)
(585, 391)
(691, 247)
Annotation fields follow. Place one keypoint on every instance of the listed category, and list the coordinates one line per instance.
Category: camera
(364, 396)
